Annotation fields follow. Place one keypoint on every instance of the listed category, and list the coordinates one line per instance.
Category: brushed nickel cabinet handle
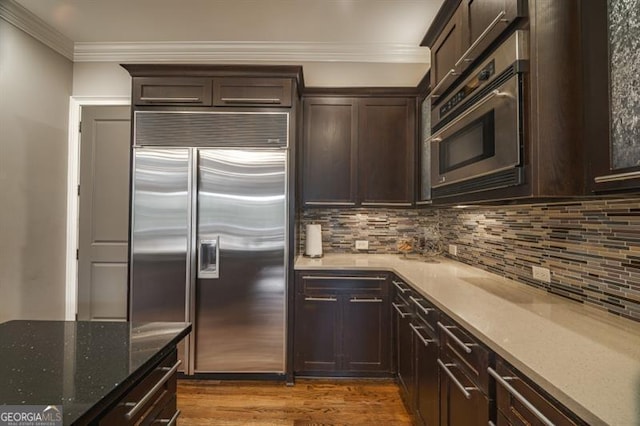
(465, 346)
(451, 73)
(617, 177)
(402, 314)
(481, 37)
(397, 285)
(150, 99)
(252, 100)
(422, 308)
(503, 382)
(169, 422)
(356, 300)
(464, 389)
(328, 203)
(383, 204)
(341, 278)
(321, 299)
(422, 339)
(137, 406)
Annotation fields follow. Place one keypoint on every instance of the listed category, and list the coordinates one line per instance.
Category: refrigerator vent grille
(210, 129)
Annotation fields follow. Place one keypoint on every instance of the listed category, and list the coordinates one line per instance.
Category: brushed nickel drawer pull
(503, 382)
(402, 314)
(388, 204)
(356, 300)
(397, 285)
(617, 177)
(252, 100)
(150, 99)
(464, 389)
(422, 339)
(465, 346)
(169, 422)
(137, 406)
(320, 299)
(343, 278)
(481, 37)
(491, 423)
(328, 203)
(422, 308)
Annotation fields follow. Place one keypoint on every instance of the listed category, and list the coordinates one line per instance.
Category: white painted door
(103, 213)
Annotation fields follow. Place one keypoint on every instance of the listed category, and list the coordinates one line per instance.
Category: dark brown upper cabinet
(358, 151)
(175, 91)
(172, 86)
(386, 151)
(330, 151)
(611, 138)
(251, 92)
(463, 31)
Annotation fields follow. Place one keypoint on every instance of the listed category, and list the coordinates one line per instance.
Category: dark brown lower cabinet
(403, 349)
(427, 378)
(462, 403)
(342, 324)
(520, 403)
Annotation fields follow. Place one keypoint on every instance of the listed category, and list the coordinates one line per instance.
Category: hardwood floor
(309, 402)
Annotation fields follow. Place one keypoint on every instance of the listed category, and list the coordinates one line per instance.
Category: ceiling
(373, 34)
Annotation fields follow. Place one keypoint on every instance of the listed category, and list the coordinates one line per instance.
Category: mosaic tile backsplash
(592, 248)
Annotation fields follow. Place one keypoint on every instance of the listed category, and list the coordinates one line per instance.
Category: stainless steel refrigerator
(209, 234)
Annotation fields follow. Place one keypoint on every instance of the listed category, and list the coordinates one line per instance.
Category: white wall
(100, 79)
(35, 85)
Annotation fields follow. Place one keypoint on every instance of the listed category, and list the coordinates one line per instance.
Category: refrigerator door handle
(208, 258)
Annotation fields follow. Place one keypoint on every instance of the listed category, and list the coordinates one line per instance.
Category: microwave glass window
(469, 145)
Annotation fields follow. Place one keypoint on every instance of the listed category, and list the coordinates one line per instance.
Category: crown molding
(220, 52)
(21, 18)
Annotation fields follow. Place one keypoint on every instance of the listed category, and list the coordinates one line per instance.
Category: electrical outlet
(541, 274)
(362, 245)
(453, 249)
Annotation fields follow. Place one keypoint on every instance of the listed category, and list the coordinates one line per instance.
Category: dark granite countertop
(83, 366)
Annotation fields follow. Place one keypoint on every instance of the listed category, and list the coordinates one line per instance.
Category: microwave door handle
(465, 114)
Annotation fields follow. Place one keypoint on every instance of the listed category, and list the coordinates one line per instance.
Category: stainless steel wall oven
(478, 127)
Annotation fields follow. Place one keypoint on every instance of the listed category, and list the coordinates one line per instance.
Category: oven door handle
(435, 137)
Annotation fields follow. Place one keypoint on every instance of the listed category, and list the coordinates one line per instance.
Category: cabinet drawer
(466, 352)
(172, 91)
(252, 92)
(522, 404)
(150, 397)
(426, 312)
(462, 402)
(313, 283)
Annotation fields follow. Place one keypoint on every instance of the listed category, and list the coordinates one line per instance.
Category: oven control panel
(478, 80)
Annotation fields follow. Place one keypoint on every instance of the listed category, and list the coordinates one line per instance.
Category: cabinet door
(427, 374)
(317, 331)
(386, 145)
(165, 91)
(445, 52)
(456, 409)
(484, 21)
(252, 92)
(366, 344)
(330, 152)
(404, 351)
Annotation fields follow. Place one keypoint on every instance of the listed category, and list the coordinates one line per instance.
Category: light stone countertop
(587, 359)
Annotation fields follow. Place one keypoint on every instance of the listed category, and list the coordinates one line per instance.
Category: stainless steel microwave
(477, 128)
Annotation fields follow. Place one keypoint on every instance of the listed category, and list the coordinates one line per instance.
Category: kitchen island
(586, 359)
(96, 371)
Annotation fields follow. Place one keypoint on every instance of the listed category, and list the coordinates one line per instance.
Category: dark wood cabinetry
(358, 151)
(152, 400)
(386, 151)
(463, 32)
(519, 402)
(404, 354)
(174, 91)
(342, 324)
(330, 151)
(230, 91)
